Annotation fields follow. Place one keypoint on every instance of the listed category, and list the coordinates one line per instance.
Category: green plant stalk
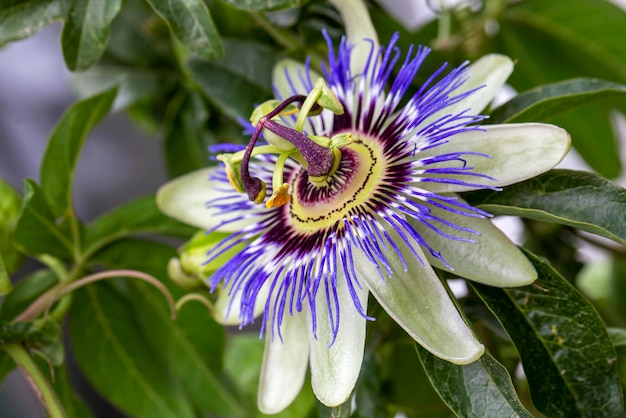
(37, 380)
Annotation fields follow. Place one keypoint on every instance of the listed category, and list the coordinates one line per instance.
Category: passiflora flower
(352, 193)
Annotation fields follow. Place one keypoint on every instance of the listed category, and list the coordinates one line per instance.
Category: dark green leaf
(7, 365)
(59, 161)
(263, 5)
(575, 198)
(191, 345)
(10, 203)
(543, 103)
(593, 137)
(5, 280)
(139, 216)
(37, 231)
(21, 19)
(618, 336)
(238, 81)
(480, 389)
(567, 355)
(191, 22)
(552, 42)
(116, 357)
(369, 390)
(86, 31)
(25, 292)
(186, 138)
(406, 384)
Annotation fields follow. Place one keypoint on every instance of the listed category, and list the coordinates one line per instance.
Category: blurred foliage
(188, 70)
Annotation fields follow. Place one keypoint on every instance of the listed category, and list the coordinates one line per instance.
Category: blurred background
(119, 161)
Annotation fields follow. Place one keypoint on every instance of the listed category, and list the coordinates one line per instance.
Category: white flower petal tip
(516, 152)
(335, 368)
(184, 198)
(417, 300)
(488, 74)
(284, 365)
(492, 258)
(490, 71)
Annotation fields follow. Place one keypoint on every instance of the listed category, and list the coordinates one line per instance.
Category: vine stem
(37, 380)
(46, 300)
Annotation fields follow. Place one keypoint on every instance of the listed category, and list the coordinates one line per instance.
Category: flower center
(314, 207)
(319, 156)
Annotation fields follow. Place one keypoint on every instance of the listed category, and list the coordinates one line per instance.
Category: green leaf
(86, 31)
(7, 365)
(139, 216)
(368, 393)
(263, 5)
(593, 137)
(37, 231)
(59, 161)
(573, 105)
(552, 42)
(480, 389)
(5, 280)
(25, 292)
(10, 203)
(192, 345)
(543, 103)
(238, 81)
(575, 198)
(23, 18)
(186, 137)
(114, 354)
(568, 357)
(190, 21)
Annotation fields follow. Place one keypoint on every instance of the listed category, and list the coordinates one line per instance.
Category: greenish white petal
(184, 198)
(417, 300)
(518, 152)
(335, 368)
(284, 364)
(297, 72)
(491, 72)
(492, 259)
(359, 29)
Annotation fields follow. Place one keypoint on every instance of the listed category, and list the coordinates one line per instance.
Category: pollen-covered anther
(280, 197)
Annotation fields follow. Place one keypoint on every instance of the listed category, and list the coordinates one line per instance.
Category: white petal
(184, 198)
(493, 259)
(417, 300)
(359, 28)
(335, 369)
(490, 71)
(518, 152)
(287, 70)
(284, 364)
(227, 308)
